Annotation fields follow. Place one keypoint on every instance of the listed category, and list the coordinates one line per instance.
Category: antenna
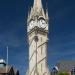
(7, 55)
(7, 60)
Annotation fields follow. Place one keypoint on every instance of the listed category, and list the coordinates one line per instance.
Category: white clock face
(31, 24)
(42, 23)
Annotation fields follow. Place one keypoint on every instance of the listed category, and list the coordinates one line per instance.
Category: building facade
(37, 29)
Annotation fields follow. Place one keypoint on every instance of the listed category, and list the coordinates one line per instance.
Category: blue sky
(61, 45)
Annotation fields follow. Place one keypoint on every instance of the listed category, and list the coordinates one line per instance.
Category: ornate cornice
(38, 30)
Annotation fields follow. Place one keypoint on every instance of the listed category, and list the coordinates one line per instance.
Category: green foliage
(62, 73)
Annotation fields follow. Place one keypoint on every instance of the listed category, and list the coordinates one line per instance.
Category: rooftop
(2, 61)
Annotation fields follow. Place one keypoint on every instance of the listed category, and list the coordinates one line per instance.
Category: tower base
(45, 73)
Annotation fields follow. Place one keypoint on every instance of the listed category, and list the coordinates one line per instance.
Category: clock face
(42, 23)
(31, 24)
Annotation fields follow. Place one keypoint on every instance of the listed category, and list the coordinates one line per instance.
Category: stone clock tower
(37, 29)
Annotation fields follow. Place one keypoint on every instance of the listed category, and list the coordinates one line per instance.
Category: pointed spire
(37, 10)
(47, 10)
(47, 14)
(37, 4)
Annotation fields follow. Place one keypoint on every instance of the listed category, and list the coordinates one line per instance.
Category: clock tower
(37, 29)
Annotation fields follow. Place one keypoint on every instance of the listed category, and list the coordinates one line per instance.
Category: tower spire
(37, 4)
(36, 10)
